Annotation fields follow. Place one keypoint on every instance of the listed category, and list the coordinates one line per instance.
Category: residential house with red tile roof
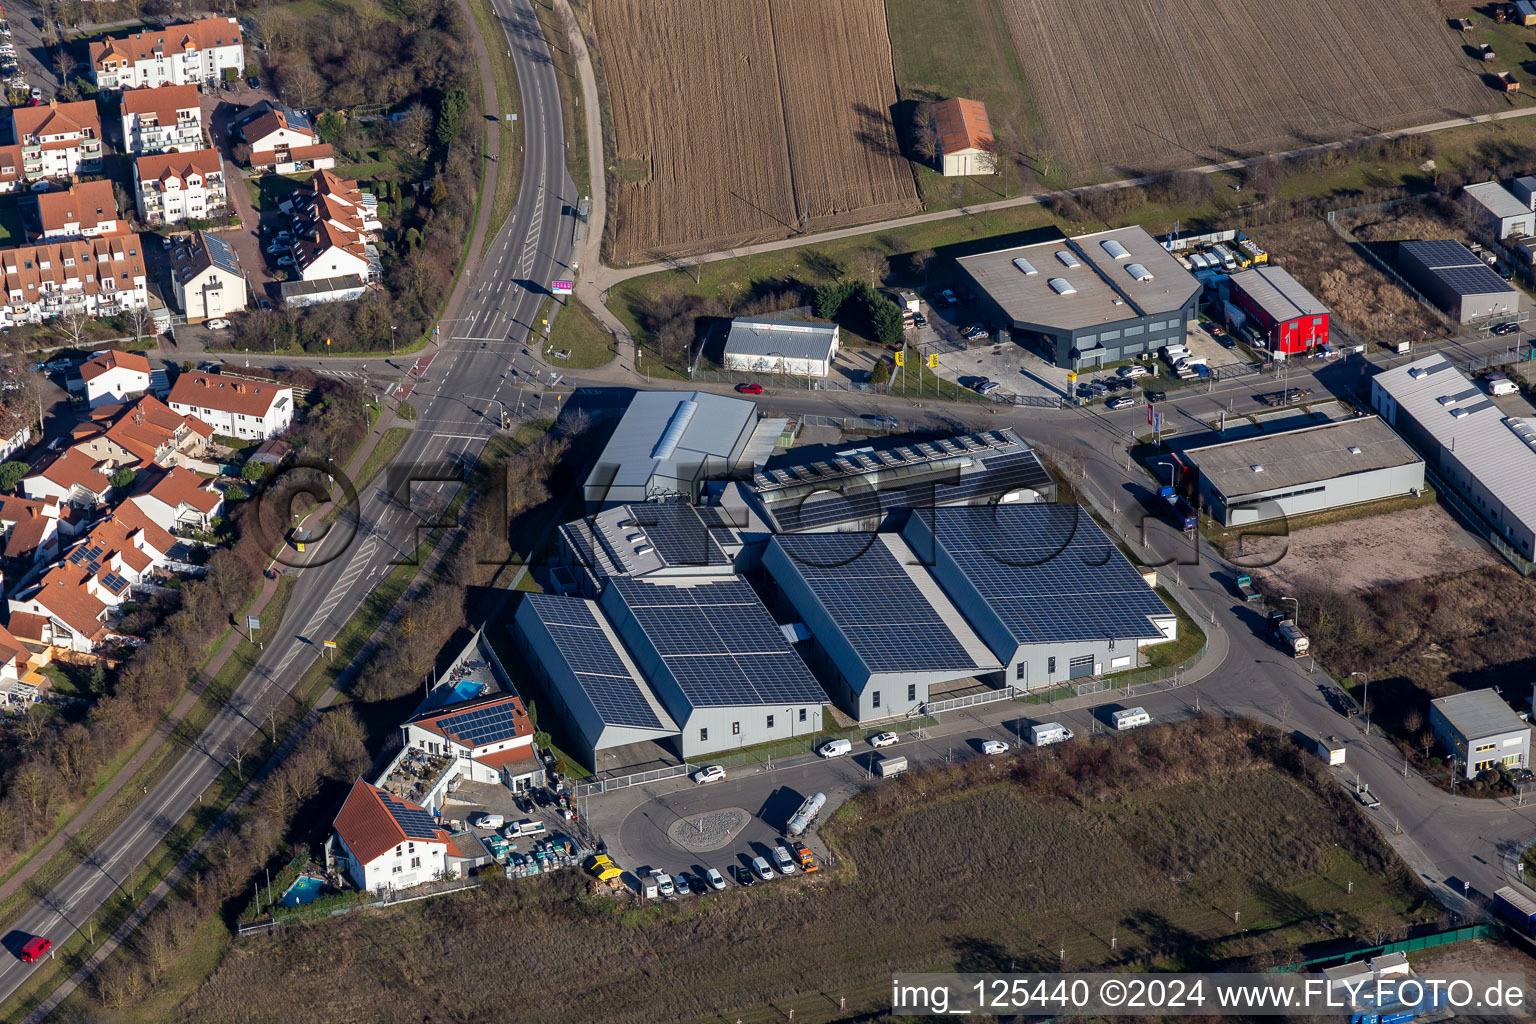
(965, 137)
(100, 276)
(72, 477)
(11, 177)
(57, 140)
(113, 377)
(383, 842)
(284, 141)
(490, 739)
(233, 406)
(206, 277)
(168, 118)
(32, 531)
(142, 435)
(15, 431)
(197, 53)
(70, 605)
(178, 499)
(175, 187)
(14, 658)
(334, 223)
(86, 210)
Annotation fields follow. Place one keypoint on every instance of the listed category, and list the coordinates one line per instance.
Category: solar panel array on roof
(114, 582)
(413, 821)
(868, 594)
(219, 253)
(719, 643)
(590, 654)
(299, 120)
(478, 726)
(1456, 266)
(1048, 572)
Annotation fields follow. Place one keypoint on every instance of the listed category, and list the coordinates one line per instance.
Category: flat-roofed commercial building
(1457, 281)
(1308, 470)
(1481, 730)
(1090, 300)
(789, 348)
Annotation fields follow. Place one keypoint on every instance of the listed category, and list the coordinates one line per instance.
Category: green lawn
(269, 190)
(11, 233)
(577, 331)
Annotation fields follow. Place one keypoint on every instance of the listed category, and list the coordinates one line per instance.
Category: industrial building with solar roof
(1047, 591)
(886, 639)
(1457, 280)
(1295, 472)
(1087, 301)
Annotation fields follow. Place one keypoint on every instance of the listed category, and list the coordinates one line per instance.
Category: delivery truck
(1245, 587)
(1047, 733)
(1180, 512)
(1516, 908)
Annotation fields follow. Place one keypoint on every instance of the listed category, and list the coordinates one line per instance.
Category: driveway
(219, 108)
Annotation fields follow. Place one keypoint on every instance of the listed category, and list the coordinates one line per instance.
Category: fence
(1476, 931)
(588, 789)
(971, 700)
(1478, 524)
(1331, 218)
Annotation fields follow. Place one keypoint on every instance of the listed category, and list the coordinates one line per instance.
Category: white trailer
(1131, 718)
(1330, 749)
(890, 767)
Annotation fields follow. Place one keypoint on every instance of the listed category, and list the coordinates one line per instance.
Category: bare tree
(921, 261)
(411, 130)
(73, 324)
(141, 320)
(303, 85)
(63, 63)
(870, 263)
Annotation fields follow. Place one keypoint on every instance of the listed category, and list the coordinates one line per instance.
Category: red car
(35, 949)
(750, 389)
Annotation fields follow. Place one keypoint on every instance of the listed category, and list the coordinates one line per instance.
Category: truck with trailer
(1047, 733)
(1179, 511)
(890, 767)
(1516, 908)
(1245, 587)
(1289, 635)
(806, 814)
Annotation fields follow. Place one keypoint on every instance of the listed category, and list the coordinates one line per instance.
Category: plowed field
(749, 120)
(1138, 85)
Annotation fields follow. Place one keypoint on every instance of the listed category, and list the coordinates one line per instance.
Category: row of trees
(877, 315)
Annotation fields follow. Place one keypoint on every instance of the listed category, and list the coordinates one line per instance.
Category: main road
(466, 373)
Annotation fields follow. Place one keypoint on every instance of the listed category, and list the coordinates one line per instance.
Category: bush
(11, 474)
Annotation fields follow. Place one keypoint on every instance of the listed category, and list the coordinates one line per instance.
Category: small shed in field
(964, 137)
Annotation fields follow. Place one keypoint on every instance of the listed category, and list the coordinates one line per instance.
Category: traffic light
(506, 421)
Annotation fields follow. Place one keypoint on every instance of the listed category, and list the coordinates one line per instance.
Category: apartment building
(100, 276)
(86, 210)
(196, 53)
(234, 406)
(164, 119)
(333, 224)
(112, 377)
(206, 277)
(59, 140)
(174, 187)
(284, 141)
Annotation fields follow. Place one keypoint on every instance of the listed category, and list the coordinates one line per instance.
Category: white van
(1131, 718)
(1498, 384)
(524, 827)
(783, 861)
(487, 821)
(835, 748)
(1173, 353)
(1190, 362)
(664, 883)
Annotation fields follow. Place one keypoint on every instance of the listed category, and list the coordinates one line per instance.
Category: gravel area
(708, 832)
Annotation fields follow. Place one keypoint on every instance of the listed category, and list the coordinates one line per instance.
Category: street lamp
(1298, 609)
(391, 339)
(1365, 699)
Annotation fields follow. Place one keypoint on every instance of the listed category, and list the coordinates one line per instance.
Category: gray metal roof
(323, 286)
(1278, 293)
(703, 426)
(788, 339)
(1455, 265)
(1308, 455)
(1497, 199)
(1491, 447)
(1478, 713)
(1100, 289)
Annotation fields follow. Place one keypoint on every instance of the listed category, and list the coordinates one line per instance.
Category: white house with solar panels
(669, 442)
(489, 739)
(855, 489)
(1044, 587)
(886, 639)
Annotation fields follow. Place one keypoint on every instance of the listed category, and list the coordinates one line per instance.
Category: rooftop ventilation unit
(1115, 249)
(1025, 267)
(1459, 413)
(1067, 259)
(1257, 469)
(1417, 371)
(1061, 286)
(1139, 272)
(681, 416)
(1355, 449)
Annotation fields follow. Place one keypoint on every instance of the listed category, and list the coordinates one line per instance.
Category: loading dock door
(1079, 668)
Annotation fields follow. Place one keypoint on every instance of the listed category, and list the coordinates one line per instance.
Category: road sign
(252, 622)
(330, 645)
(898, 357)
(1071, 376)
(301, 545)
(561, 287)
(933, 361)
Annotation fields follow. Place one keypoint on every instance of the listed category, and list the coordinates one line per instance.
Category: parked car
(487, 820)
(285, 261)
(1133, 371)
(919, 320)
(761, 869)
(278, 248)
(750, 389)
(974, 383)
(714, 773)
(35, 948)
(947, 297)
(253, 82)
(41, 186)
(884, 739)
(680, 884)
(994, 747)
(1123, 402)
(835, 748)
(217, 325)
(743, 875)
(1157, 396)
(37, 94)
(714, 878)
(988, 388)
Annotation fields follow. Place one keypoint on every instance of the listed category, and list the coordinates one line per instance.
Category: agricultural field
(1139, 851)
(743, 122)
(1144, 85)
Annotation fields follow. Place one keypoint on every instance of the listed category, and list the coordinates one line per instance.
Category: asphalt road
(533, 246)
